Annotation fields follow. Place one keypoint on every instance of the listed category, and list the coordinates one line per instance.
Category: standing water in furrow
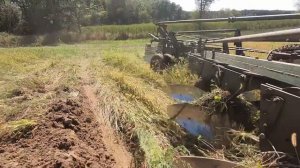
(186, 114)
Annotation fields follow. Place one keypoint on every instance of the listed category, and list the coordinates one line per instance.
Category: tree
(9, 17)
(203, 6)
(44, 16)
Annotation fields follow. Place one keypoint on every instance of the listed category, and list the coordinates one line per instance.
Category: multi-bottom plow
(276, 78)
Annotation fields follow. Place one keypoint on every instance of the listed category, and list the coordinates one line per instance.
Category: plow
(220, 60)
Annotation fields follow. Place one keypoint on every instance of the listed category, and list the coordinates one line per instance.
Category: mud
(68, 136)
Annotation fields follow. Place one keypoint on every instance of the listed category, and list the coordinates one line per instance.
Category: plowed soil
(68, 137)
(70, 134)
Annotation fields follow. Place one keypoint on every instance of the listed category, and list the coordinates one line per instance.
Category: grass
(179, 74)
(132, 65)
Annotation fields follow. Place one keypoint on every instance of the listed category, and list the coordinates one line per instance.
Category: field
(95, 104)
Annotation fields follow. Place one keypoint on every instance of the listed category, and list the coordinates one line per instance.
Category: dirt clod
(68, 136)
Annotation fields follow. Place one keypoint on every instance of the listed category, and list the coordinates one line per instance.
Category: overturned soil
(68, 136)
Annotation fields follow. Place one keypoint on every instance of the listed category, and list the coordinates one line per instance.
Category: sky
(189, 5)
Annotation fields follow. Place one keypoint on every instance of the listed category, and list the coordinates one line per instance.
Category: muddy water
(195, 120)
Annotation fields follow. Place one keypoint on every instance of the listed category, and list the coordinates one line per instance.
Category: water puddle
(191, 117)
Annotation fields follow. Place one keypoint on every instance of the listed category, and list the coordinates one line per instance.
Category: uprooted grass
(16, 128)
(243, 147)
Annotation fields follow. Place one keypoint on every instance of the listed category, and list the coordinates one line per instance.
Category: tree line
(46, 16)
(43, 16)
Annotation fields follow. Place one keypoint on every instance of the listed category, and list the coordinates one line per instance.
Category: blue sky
(242, 4)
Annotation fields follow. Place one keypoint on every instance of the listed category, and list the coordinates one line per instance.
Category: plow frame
(278, 82)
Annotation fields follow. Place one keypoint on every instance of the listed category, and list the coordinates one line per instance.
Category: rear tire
(157, 63)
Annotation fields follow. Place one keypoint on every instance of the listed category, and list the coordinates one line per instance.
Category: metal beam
(292, 35)
(280, 71)
(235, 19)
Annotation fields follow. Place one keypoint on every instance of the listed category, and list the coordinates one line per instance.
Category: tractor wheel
(157, 63)
(278, 54)
(169, 60)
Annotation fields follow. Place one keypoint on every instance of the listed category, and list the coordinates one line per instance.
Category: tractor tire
(290, 49)
(157, 63)
(169, 60)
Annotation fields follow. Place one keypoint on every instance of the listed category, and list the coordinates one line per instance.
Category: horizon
(189, 5)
